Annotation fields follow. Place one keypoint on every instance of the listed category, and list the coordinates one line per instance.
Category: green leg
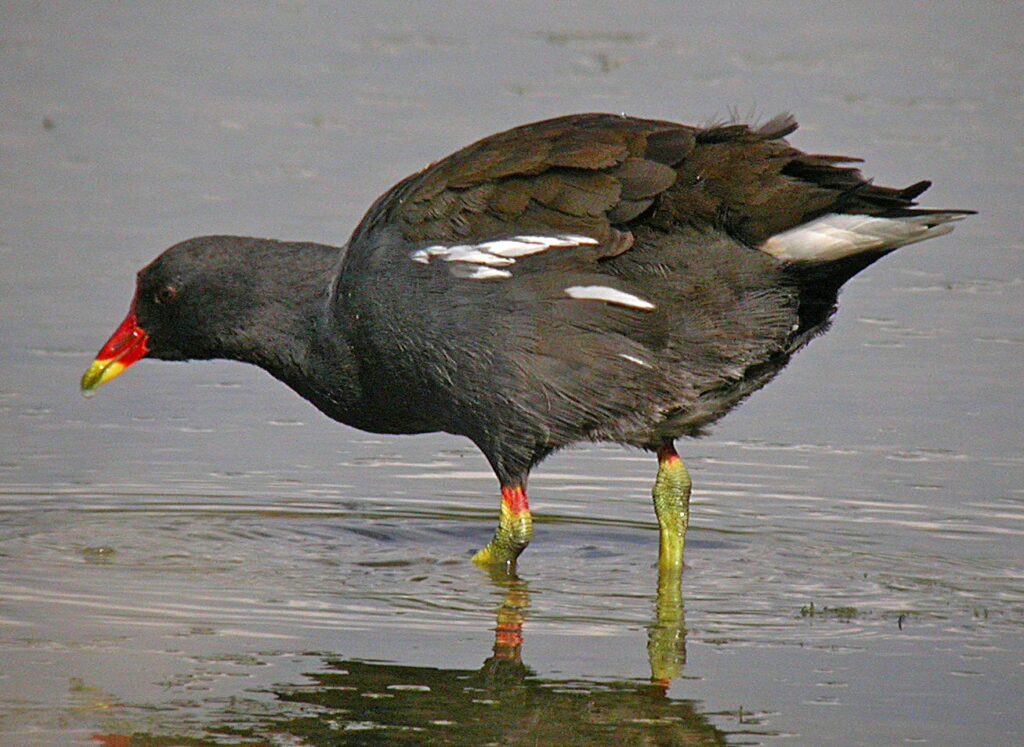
(514, 532)
(672, 505)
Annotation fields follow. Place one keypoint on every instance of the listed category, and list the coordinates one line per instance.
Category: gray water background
(182, 554)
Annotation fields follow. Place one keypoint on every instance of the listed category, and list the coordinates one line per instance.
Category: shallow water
(197, 554)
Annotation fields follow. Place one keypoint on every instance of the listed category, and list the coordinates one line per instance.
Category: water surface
(197, 554)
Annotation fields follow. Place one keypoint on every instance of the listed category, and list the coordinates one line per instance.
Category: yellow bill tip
(101, 372)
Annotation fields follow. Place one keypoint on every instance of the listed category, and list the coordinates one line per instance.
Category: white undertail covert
(837, 236)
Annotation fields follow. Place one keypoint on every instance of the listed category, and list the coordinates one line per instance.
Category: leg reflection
(504, 668)
(508, 632)
(666, 637)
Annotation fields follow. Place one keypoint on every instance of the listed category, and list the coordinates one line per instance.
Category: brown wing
(598, 175)
(580, 174)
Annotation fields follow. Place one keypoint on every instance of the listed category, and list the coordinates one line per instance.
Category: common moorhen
(591, 277)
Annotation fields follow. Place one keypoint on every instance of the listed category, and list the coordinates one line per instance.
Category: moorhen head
(592, 277)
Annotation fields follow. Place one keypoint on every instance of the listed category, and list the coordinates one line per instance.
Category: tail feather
(915, 190)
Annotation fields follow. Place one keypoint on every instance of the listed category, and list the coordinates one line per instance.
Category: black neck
(307, 352)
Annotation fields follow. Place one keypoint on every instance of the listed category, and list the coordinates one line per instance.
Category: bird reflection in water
(505, 702)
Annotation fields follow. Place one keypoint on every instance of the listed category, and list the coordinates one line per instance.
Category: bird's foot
(514, 532)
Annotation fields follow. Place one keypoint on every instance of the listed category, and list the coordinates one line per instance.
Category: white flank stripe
(496, 253)
(835, 236)
(512, 248)
(471, 272)
(608, 295)
(425, 255)
(567, 239)
(472, 255)
(634, 359)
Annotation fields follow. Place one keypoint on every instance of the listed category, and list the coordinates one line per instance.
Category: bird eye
(166, 294)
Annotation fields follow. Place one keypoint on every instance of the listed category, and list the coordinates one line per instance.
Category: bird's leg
(515, 529)
(672, 505)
